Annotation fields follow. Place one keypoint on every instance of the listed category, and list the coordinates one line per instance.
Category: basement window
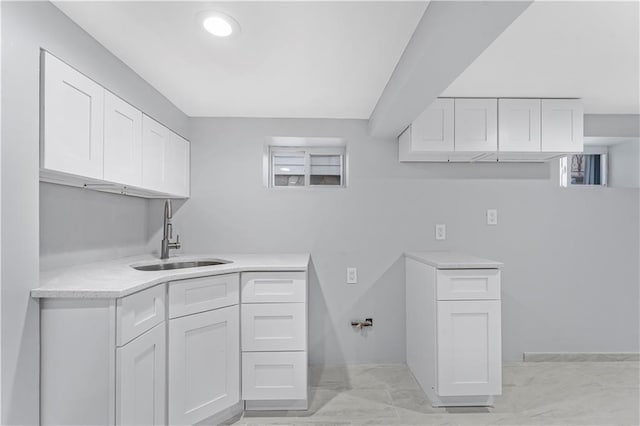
(305, 163)
(588, 169)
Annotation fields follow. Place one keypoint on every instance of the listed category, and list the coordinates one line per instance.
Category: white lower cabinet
(140, 379)
(454, 346)
(204, 365)
(274, 375)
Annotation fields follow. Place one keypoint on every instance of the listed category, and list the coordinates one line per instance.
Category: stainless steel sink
(164, 266)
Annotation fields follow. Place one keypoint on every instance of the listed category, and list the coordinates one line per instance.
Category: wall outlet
(441, 232)
(492, 217)
(352, 275)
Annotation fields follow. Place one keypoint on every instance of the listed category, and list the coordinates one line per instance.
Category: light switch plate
(492, 217)
(352, 275)
(441, 232)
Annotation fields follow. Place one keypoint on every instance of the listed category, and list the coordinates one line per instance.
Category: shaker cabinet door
(469, 348)
(140, 379)
(519, 125)
(122, 141)
(476, 125)
(72, 115)
(562, 125)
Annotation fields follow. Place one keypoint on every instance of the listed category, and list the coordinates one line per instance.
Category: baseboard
(580, 356)
(286, 405)
(225, 415)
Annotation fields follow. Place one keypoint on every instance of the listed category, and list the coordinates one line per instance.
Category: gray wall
(89, 223)
(570, 281)
(624, 165)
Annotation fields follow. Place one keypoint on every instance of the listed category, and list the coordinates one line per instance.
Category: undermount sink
(164, 266)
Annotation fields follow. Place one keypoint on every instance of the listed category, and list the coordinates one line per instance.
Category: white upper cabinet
(165, 165)
(519, 125)
(122, 141)
(433, 129)
(72, 115)
(562, 125)
(476, 125)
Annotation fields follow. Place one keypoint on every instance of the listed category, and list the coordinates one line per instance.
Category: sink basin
(164, 266)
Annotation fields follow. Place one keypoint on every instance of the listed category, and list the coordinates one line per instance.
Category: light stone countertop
(453, 260)
(116, 278)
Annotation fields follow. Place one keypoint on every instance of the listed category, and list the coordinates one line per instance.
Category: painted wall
(570, 281)
(73, 220)
(624, 165)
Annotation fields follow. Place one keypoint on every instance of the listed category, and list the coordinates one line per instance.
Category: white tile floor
(534, 393)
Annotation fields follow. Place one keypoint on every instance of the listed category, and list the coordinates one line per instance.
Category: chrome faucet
(167, 232)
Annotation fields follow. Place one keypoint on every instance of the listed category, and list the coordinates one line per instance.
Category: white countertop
(452, 260)
(116, 278)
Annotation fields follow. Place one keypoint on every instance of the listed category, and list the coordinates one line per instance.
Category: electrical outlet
(441, 232)
(352, 275)
(492, 217)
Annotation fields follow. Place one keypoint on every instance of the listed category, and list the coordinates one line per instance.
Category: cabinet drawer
(468, 284)
(203, 294)
(139, 312)
(274, 327)
(274, 375)
(258, 287)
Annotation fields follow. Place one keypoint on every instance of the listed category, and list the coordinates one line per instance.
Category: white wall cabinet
(92, 138)
(72, 121)
(140, 379)
(562, 125)
(204, 365)
(490, 130)
(274, 340)
(122, 141)
(476, 125)
(454, 346)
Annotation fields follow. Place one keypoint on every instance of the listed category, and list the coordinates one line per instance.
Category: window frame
(565, 168)
(309, 147)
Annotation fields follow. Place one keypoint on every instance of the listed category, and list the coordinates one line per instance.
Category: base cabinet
(204, 365)
(140, 379)
(454, 346)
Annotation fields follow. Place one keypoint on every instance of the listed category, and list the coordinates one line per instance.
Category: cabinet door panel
(122, 141)
(195, 295)
(139, 312)
(177, 166)
(476, 124)
(204, 365)
(469, 348)
(274, 375)
(519, 125)
(433, 129)
(72, 121)
(140, 380)
(562, 125)
(261, 287)
(155, 138)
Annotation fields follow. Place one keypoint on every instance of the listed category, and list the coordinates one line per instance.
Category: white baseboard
(580, 356)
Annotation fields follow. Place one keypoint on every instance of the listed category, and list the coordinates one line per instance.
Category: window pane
(586, 169)
(288, 180)
(288, 169)
(326, 170)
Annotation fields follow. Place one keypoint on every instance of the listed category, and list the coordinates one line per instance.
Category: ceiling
(588, 50)
(290, 59)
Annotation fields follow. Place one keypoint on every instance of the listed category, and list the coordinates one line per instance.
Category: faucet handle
(178, 241)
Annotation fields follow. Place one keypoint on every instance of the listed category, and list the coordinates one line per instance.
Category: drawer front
(203, 294)
(139, 312)
(274, 327)
(468, 284)
(260, 287)
(274, 375)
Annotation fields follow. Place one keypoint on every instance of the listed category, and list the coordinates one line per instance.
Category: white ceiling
(588, 50)
(291, 59)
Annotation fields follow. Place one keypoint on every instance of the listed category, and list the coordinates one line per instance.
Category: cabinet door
(469, 348)
(519, 125)
(274, 375)
(274, 327)
(562, 125)
(140, 379)
(476, 124)
(433, 129)
(72, 139)
(177, 165)
(122, 141)
(155, 138)
(204, 365)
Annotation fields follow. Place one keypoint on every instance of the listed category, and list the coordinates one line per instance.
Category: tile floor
(534, 393)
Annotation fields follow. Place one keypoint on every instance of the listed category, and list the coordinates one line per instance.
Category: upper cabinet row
(494, 130)
(90, 137)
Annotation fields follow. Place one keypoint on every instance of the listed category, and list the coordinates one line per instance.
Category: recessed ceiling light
(219, 24)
